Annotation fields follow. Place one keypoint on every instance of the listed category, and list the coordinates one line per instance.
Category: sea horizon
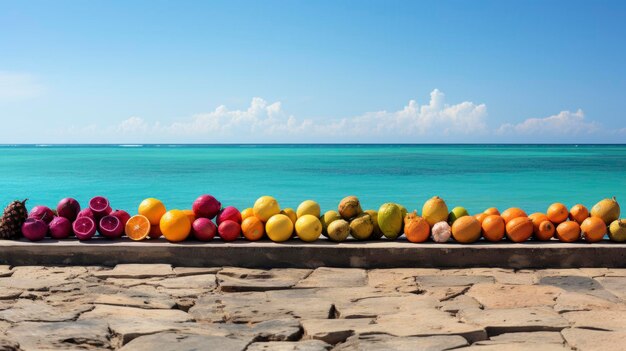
(301, 144)
(475, 176)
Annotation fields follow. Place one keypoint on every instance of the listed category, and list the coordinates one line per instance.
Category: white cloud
(262, 121)
(564, 123)
(265, 122)
(18, 86)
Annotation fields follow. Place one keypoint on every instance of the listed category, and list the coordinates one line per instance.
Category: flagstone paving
(160, 307)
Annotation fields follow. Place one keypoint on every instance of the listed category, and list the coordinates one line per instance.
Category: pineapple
(11, 222)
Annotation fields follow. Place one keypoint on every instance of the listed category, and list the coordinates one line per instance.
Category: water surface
(473, 176)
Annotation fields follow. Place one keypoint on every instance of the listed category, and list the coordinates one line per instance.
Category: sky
(339, 71)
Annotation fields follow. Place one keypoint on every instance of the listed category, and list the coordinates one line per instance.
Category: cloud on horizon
(564, 123)
(264, 122)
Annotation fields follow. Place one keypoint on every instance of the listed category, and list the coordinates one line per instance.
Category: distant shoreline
(130, 145)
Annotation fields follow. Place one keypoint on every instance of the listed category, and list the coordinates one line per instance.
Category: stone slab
(325, 277)
(386, 342)
(234, 279)
(323, 253)
(609, 320)
(136, 271)
(36, 311)
(254, 307)
(513, 296)
(92, 334)
(587, 339)
(305, 345)
(169, 341)
(510, 320)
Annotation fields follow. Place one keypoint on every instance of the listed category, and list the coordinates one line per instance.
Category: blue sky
(312, 71)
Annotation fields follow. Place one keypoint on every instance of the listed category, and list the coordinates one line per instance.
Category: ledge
(295, 253)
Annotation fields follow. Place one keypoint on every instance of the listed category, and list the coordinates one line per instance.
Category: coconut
(338, 230)
(349, 207)
(362, 227)
(328, 218)
(376, 233)
(441, 232)
(607, 209)
(617, 230)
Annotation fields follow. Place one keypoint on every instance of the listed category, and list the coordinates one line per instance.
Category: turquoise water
(473, 176)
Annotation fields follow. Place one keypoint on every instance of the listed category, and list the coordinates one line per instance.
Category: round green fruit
(457, 213)
(390, 220)
(327, 218)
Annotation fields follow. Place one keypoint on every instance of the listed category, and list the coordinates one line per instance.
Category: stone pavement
(160, 307)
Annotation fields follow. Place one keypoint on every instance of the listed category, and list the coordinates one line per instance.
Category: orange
(155, 232)
(492, 211)
(252, 228)
(466, 229)
(593, 229)
(481, 217)
(545, 231)
(519, 229)
(416, 229)
(137, 227)
(248, 212)
(568, 232)
(537, 218)
(557, 213)
(578, 213)
(175, 225)
(152, 209)
(511, 213)
(191, 215)
(493, 228)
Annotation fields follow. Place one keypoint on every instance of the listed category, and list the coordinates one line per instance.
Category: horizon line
(303, 144)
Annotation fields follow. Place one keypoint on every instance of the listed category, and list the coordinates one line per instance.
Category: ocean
(473, 176)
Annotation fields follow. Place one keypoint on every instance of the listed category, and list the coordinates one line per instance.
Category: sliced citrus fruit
(137, 227)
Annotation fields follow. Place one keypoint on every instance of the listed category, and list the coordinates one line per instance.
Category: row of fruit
(265, 219)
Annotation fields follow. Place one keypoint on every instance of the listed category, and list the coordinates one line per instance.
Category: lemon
(308, 207)
(308, 228)
(153, 209)
(265, 207)
(175, 225)
(289, 212)
(279, 228)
